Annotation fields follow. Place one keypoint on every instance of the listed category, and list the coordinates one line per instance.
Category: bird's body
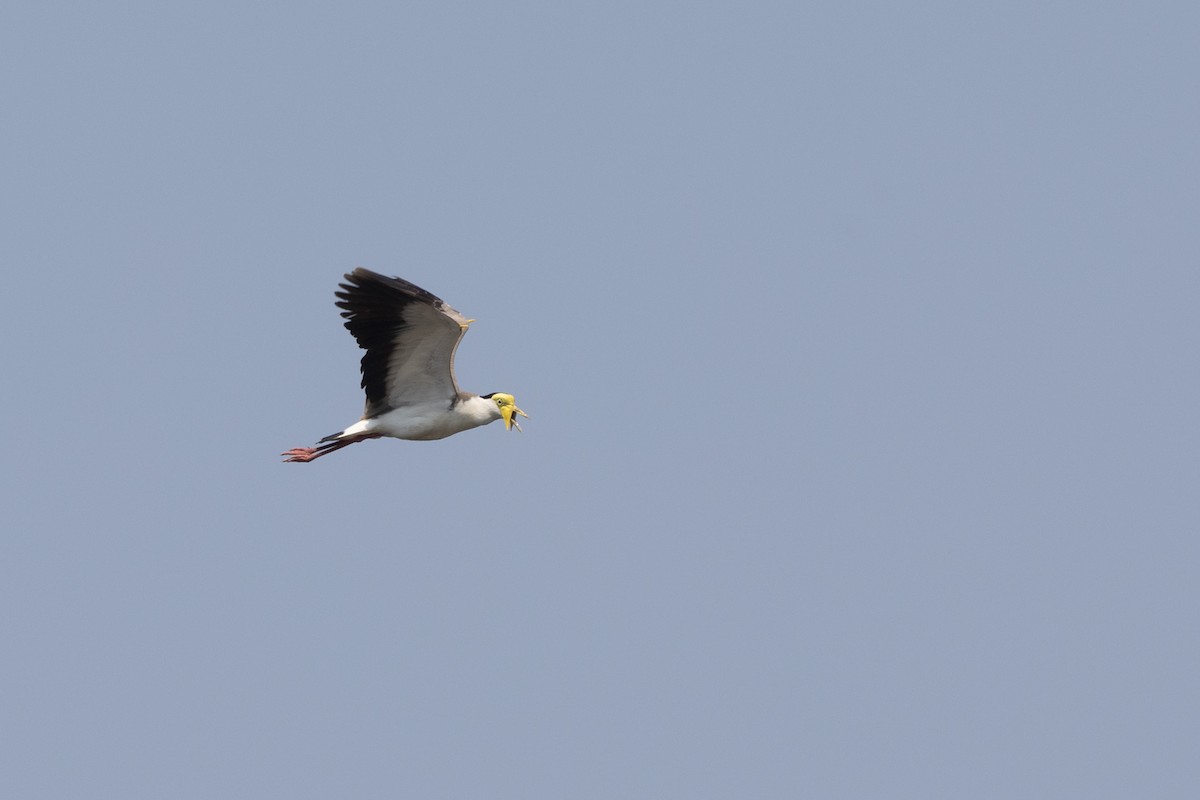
(430, 421)
(410, 337)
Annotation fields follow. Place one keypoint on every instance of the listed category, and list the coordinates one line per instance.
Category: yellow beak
(508, 413)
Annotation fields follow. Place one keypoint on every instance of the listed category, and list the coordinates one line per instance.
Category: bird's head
(508, 409)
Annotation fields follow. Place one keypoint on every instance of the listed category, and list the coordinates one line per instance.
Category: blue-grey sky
(859, 342)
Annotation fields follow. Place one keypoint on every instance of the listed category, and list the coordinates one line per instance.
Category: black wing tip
(365, 280)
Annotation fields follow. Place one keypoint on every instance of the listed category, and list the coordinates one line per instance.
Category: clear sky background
(859, 341)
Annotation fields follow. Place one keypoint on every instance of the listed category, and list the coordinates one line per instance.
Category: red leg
(302, 455)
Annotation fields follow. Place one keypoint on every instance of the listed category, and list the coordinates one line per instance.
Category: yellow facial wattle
(509, 411)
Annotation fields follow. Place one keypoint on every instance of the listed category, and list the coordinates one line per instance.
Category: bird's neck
(479, 410)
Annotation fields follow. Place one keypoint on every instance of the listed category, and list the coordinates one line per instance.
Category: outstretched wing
(410, 337)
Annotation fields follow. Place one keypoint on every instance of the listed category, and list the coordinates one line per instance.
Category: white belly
(425, 422)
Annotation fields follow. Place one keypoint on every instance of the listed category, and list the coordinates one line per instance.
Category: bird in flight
(408, 370)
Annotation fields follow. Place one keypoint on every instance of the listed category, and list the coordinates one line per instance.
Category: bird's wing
(410, 337)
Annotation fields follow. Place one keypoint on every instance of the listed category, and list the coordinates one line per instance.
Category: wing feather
(410, 337)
